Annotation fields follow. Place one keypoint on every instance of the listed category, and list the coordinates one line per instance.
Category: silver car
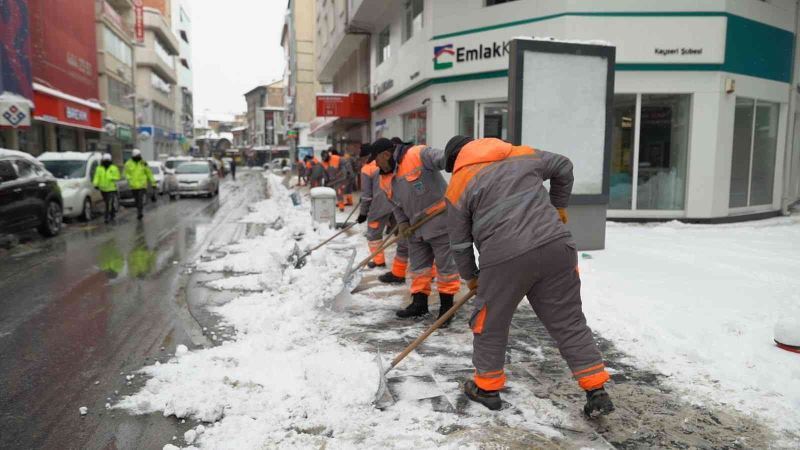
(197, 178)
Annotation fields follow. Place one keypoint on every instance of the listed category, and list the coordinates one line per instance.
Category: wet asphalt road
(81, 311)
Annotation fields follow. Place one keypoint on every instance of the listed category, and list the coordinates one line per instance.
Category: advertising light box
(561, 100)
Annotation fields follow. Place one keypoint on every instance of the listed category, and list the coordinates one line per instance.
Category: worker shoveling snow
(287, 379)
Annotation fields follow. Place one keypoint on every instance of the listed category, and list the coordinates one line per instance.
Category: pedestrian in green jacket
(139, 177)
(105, 180)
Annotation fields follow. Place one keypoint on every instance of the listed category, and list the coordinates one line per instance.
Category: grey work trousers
(549, 277)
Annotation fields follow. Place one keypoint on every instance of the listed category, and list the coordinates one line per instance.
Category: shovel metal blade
(383, 398)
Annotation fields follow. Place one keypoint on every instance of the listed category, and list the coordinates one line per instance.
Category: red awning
(54, 106)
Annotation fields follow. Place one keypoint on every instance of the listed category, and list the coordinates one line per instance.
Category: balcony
(114, 18)
(154, 21)
(147, 57)
(365, 13)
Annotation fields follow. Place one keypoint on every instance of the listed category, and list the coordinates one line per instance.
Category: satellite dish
(144, 135)
(109, 128)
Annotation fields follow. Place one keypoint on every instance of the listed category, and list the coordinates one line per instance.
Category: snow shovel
(389, 242)
(355, 208)
(383, 398)
(300, 260)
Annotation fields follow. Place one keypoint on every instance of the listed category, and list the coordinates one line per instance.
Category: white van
(74, 172)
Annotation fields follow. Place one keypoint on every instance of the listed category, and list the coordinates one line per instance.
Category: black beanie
(452, 149)
(366, 150)
(382, 145)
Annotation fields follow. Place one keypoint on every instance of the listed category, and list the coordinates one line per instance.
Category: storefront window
(622, 141)
(494, 120)
(755, 131)
(415, 127)
(652, 176)
(466, 118)
(663, 151)
(67, 139)
(740, 158)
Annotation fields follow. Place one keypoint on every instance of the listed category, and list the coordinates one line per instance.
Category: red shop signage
(50, 108)
(139, 27)
(346, 106)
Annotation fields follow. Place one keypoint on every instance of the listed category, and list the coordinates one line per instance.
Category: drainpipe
(789, 152)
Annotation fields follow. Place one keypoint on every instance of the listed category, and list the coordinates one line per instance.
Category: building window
(466, 118)
(415, 126)
(622, 149)
(650, 151)
(412, 20)
(184, 36)
(755, 140)
(163, 54)
(119, 93)
(497, 2)
(117, 47)
(160, 84)
(184, 63)
(383, 48)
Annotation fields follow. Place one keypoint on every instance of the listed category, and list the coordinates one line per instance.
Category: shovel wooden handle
(343, 230)
(391, 240)
(450, 313)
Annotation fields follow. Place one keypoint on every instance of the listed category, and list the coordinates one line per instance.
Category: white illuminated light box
(561, 100)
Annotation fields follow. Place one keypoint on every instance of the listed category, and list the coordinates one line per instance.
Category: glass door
(492, 120)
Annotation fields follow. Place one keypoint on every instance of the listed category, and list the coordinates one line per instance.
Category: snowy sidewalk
(292, 373)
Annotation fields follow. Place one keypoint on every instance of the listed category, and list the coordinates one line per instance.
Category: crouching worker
(496, 201)
(417, 190)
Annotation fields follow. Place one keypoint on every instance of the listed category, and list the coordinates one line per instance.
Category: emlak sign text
(467, 54)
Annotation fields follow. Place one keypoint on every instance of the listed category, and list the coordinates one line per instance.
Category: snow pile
(287, 378)
(700, 303)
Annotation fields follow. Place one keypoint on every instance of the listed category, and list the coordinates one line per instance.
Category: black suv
(29, 195)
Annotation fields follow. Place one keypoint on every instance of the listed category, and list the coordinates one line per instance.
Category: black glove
(361, 218)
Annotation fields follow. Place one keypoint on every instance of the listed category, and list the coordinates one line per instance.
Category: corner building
(705, 117)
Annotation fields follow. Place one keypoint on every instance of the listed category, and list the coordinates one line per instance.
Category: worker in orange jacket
(334, 175)
(315, 172)
(378, 212)
(497, 203)
(417, 190)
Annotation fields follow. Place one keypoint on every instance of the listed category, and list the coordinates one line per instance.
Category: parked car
(74, 172)
(226, 165)
(159, 173)
(198, 177)
(173, 162)
(29, 195)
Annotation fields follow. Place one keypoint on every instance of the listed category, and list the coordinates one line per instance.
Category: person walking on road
(377, 212)
(496, 201)
(233, 169)
(105, 180)
(417, 190)
(139, 177)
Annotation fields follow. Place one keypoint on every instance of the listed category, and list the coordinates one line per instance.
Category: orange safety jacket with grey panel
(334, 176)
(374, 203)
(497, 201)
(418, 187)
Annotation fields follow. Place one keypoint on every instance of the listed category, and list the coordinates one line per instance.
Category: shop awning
(322, 125)
(54, 106)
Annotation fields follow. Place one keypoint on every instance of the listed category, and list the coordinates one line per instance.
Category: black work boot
(391, 278)
(445, 303)
(598, 403)
(489, 399)
(417, 308)
(372, 265)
